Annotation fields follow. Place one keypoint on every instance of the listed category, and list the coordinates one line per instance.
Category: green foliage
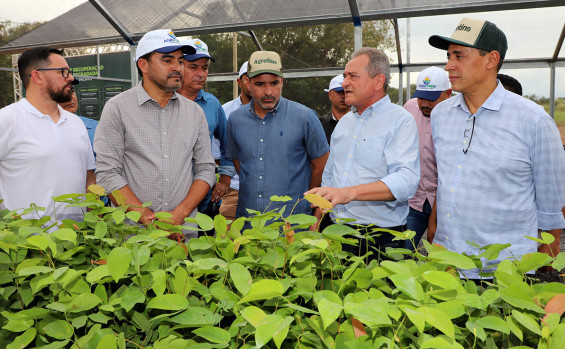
(8, 32)
(103, 284)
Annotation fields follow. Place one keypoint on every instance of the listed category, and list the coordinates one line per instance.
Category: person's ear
(493, 59)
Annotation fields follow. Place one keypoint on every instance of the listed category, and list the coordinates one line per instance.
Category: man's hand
(221, 188)
(337, 196)
(432, 224)
(147, 216)
(178, 217)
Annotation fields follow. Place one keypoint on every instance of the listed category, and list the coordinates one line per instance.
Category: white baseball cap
(163, 41)
(431, 83)
(201, 50)
(335, 84)
(243, 69)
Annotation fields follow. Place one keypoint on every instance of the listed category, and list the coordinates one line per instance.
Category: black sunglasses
(472, 130)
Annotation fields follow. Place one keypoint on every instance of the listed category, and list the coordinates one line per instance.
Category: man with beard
(44, 150)
(195, 76)
(153, 144)
(339, 108)
(432, 87)
(278, 146)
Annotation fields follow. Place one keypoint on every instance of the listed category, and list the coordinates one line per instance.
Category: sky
(531, 33)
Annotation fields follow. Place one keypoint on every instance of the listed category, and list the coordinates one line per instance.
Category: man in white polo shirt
(44, 150)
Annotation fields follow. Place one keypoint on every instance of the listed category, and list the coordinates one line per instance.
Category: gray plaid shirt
(158, 152)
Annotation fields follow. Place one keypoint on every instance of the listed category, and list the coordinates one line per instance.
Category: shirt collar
(374, 107)
(28, 107)
(143, 96)
(201, 96)
(493, 102)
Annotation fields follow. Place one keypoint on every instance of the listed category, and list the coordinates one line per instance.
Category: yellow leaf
(318, 201)
(119, 197)
(96, 189)
(289, 233)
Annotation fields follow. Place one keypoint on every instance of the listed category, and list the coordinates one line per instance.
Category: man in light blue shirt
(374, 163)
(501, 165)
(195, 76)
(229, 201)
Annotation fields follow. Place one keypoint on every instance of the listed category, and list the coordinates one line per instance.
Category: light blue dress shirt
(381, 144)
(217, 125)
(274, 154)
(230, 107)
(510, 182)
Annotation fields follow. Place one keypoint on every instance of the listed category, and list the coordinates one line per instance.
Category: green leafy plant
(102, 283)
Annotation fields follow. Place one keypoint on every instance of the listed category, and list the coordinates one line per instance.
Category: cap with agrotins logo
(163, 41)
(475, 33)
(431, 83)
(264, 62)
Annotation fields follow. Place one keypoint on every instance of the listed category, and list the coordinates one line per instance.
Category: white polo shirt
(40, 159)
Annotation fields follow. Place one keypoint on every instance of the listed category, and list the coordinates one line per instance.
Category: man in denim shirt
(278, 146)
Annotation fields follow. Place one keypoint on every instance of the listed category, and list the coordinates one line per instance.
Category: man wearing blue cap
(153, 144)
(500, 161)
(195, 76)
(339, 108)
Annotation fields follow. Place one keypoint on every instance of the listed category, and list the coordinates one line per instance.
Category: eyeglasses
(64, 71)
(468, 134)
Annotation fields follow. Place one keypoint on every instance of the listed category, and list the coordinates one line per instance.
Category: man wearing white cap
(195, 76)
(229, 201)
(432, 87)
(339, 108)
(501, 165)
(153, 144)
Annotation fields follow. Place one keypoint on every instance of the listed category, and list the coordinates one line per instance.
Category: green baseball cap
(475, 33)
(264, 62)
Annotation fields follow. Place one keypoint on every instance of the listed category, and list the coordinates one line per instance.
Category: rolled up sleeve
(403, 159)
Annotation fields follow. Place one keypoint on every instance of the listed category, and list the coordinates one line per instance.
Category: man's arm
(236, 165)
(432, 223)
(90, 178)
(548, 162)
(318, 166)
(226, 169)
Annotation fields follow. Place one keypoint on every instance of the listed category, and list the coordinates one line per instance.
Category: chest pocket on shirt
(371, 153)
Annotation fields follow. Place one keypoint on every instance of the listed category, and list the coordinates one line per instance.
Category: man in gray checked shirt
(152, 143)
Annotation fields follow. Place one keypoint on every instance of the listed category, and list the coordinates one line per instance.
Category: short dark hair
(510, 83)
(147, 57)
(34, 58)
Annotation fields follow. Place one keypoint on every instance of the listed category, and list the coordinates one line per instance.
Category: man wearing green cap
(278, 146)
(501, 165)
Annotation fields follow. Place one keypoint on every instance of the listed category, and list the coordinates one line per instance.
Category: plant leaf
(168, 302)
(253, 315)
(159, 283)
(65, 234)
(241, 278)
(526, 321)
(118, 262)
(329, 305)
(493, 323)
(58, 329)
(213, 334)
(82, 302)
(453, 258)
(206, 223)
(318, 201)
(23, 340)
(263, 289)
